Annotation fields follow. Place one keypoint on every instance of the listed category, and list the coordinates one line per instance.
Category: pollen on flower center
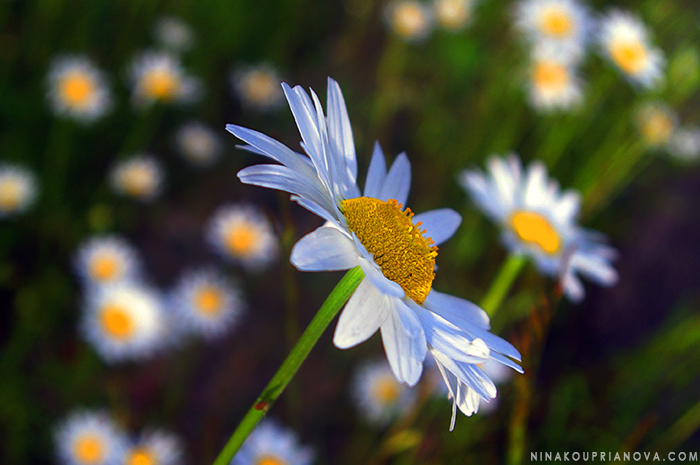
(161, 84)
(556, 22)
(629, 55)
(116, 321)
(534, 228)
(208, 300)
(104, 268)
(9, 195)
(397, 245)
(387, 390)
(240, 240)
(550, 75)
(88, 450)
(140, 457)
(270, 460)
(77, 89)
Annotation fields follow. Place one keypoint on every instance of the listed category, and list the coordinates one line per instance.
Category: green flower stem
(291, 364)
(501, 285)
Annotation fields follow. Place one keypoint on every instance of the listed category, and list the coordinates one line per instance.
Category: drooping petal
(440, 224)
(362, 316)
(376, 174)
(459, 312)
(404, 343)
(398, 180)
(450, 340)
(325, 249)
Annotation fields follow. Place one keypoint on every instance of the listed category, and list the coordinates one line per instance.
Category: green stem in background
(501, 285)
(291, 364)
(57, 160)
(680, 431)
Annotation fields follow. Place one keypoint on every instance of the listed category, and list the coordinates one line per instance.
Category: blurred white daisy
(409, 19)
(206, 303)
(18, 189)
(243, 234)
(198, 144)
(656, 123)
(140, 177)
(124, 321)
(159, 77)
(155, 447)
(258, 86)
(454, 15)
(624, 40)
(78, 89)
(378, 395)
(173, 33)
(89, 438)
(107, 259)
(540, 221)
(553, 84)
(567, 24)
(271, 444)
(684, 144)
(395, 250)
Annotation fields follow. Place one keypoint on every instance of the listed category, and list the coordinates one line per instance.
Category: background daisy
(107, 259)
(271, 444)
(140, 177)
(89, 438)
(18, 189)
(159, 77)
(377, 394)
(78, 89)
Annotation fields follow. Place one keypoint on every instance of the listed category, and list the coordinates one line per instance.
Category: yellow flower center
(116, 321)
(208, 300)
(270, 460)
(534, 228)
(138, 181)
(629, 55)
(104, 268)
(161, 84)
(452, 14)
(260, 87)
(397, 245)
(550, 75)
(387, 390)
(88, 450)
(657, 128)
(77, 89)
(240, 239)
(10, 197)
(409, 20)
(556, 22)
(140, 457)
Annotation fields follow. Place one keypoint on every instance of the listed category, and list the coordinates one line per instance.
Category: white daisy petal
(325, 249)
(398, 180)
(404, 343)
(339, 129)
(362, 316)
(440, 224)
(376, 173)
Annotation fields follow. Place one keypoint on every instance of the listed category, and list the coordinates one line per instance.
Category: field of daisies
(299, 232)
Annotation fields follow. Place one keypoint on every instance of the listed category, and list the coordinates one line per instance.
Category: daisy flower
(395, 249)
(124, 322)
(270, 444)
(454, 15)
(207, 303)
(566, 24)
(198, 144)
(78, 89)
(410, 20)
(258, 87)
(378, 395)
(684, 144)
(155, 447)
(173, 33)
(18, 190)
(241, 233)
(656, 123)
(140, 177)
(159, 77)
(89, 438)
(107, 259)
(624, 40)
(540, 221)
(553, 83)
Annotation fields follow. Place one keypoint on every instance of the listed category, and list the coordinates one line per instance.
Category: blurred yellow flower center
(550, 75)
(140, 457)
(397, 245)
(208, 300)
(88, 450)
(116, 321)
(9, 194)
(260, 87)
(557, 22)
(629, 55)
(104, 268)
(138, 181)
(387, 390)
(161, 84)
(240, 239)
(270, 460)
(534, 228)
(409, 20)
(657, 128)
(452, 14)
(77, 88)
